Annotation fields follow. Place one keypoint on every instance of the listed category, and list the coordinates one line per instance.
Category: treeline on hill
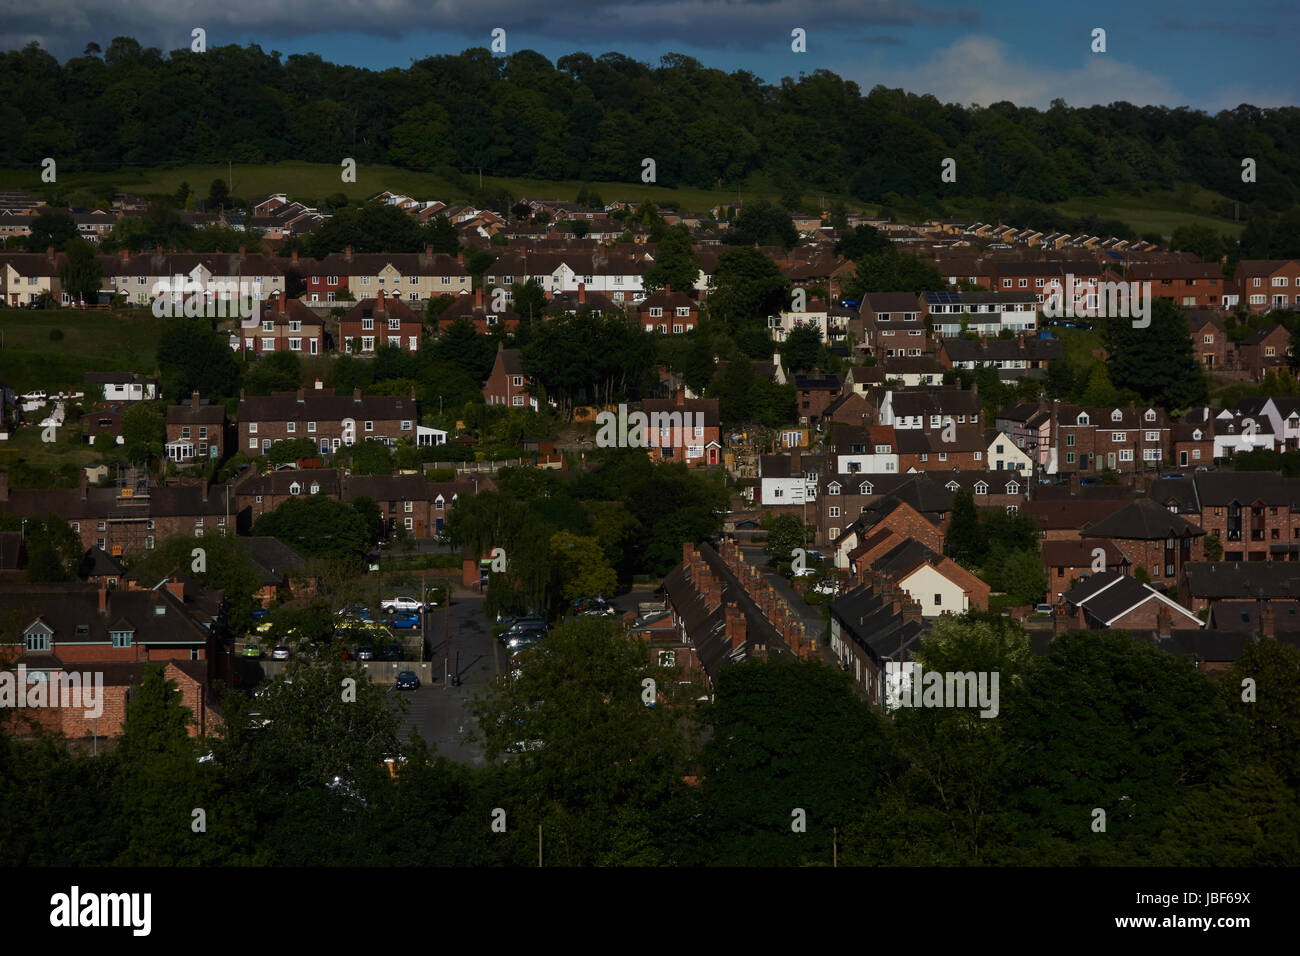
(1106, 751)
(596, 118)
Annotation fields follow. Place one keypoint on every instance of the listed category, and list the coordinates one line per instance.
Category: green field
(314, 181)
(93, 341)
(1157, 211)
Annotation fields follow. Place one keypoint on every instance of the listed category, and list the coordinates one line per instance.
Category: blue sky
(1204, 54)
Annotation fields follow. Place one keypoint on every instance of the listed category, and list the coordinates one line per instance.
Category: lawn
(25, 445)
(92, 341)
(314, 181)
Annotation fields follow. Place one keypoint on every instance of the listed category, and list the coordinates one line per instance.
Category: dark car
(392, 652)
(525, 638)
(408, 680)
(520, 625)
(365, 653)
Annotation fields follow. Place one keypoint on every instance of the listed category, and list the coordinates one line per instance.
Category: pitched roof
(1144, 520)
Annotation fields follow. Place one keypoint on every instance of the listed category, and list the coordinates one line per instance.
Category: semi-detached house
(329, 420)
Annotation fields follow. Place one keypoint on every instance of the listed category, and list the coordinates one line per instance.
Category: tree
(600, 771)
(1250, 819)
(747, 285)
(105, 443)
(54, 550)
(80, 273)
(1157, 361)
(784, 735)
(786, 533)
(226, 566)
(1024, 577)
(193, 357)
(51, 228)
(289, 450)
(277, 372)
(1202, 241)
(1270, 712)
(965, 541)
(581, 566)
(442, 237)
(802, 348)
(218, 195)
(675, 263)
(371, 458)
(317, 526)
(762, 223)
(862, 241)
(144, 431)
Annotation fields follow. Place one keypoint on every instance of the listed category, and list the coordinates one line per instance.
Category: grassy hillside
(92, 342)
(1158, 211)
(315, 181)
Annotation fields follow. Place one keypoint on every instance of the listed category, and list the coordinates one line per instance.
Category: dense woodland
(596, 118)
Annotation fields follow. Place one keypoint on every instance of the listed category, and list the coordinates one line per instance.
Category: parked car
(392, 652)
(253, 650)
(1045, 609)
(400, 603)
(408, 680)
(827, 587)
(520, 625)
(280, 653)
(804, 572)
(404, 619)
(366, 653)
(355, 611)
(525, 638)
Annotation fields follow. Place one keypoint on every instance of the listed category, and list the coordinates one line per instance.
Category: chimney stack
(478, 298)
(126, 254)
(194, 399)
(103, 597)
(356, 395)
(460, 258)
(176, 587)
(428, 252)
(736, 627)
(295, 257)
(1163, 622)
(347, 253)
(1265, 619)
(243, 250)
(302, 395)
(582, 292)
(82, 483)
(50, 253)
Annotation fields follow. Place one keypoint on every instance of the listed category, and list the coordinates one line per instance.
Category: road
(441, 712)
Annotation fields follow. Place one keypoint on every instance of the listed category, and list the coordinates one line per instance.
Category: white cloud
(981, 69)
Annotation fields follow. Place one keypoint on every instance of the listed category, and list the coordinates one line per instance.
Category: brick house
(484, 318)
(410, 276)
(257, 494)
(282, 325)
(1209, 339)
(667, 311)
(939, 584)
(1254, 514)
(126, 520)
(891, 324)
(102, 421)
(892, 514)
(1265, 350)
(872, 625)
(408, 502)
(1069, 562)
(1124, 440)
(329, 420)
(195, 431)
(507, 384)
(383, 320)
(1190, 284)
(813, 393)
(698, 444)
(1153, 538)
(1114, 600)
(1266, 284)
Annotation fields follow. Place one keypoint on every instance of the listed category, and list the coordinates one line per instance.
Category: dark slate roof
(321, 404)
(1144, 520)
(65, 607)
(1107, 595)
(1243, 579)
(278, 482)
(1244, 616)
(873, 625)
(1179, 492)
(1218, 489)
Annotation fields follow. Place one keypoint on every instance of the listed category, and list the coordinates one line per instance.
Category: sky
(1205, 54)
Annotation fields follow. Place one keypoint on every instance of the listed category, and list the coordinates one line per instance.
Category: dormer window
(865, 488)
(315, 488)
(295, 488)
(1116, 415)
(1082, 419)
(953, 486)
(122, 638)
(1013, 488)
(833, 488)
(981, 488)
(1150, 415)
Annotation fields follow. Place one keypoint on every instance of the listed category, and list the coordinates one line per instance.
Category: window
(943, 456)
(252, 444)
(518, 400)
(409, 523)
(1069, 458)
(370, 426)
(405, 426)
(1069, 442)
(517, 381)
(311, 426)
(122, 638)
(37, 641)
(1117, 436)
(252, 428)
(1150, 454)
(833, 511)
(291, 427)
(367, 325)
(1126, 454)
(1153, 436)
(295, 488)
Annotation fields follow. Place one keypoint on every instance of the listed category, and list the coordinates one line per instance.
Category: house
(483, 317)
(1025, 355)
(1069, 562)
(1124, 440)
(865, 448)
(788, 481)
(872, 625)
(816, 315)
(1205, 583)
(1048, 279)
(103, 421)
(386, 320)
(891, 513)
(1266, 284)
(1114, 600)
(890, 324)
(282, 325)
(1152, 538)
(27, 276)
(283, 569)
(813, 392)
(408, 504)
(1196, 285)
(195, 431)
(1029, 425)
(666, 311)
(850, 408)
(130, 518)
(410, 276)
(985, 313)
(1282, 414)
(726, 612)
(123, 386)
(1003, 454)
(670, 436)
(911, 371)
(255, 494)
(329, 420)
(1209, 339)
(939, 584)
(1265, 350)
(1254, 514)
(507, 384)
(963, 448)
(1227, 433)
(933, 411)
